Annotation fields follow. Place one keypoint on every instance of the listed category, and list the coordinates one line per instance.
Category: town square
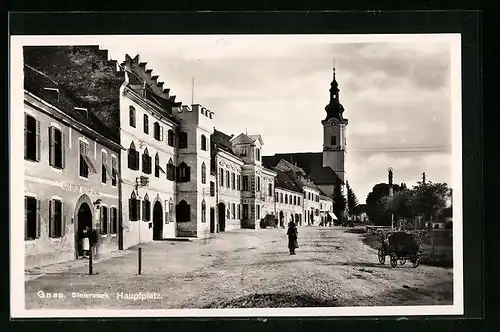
(217, 174)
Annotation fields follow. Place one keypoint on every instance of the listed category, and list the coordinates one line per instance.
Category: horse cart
(400, 247)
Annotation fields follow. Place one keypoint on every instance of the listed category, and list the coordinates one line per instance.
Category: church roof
(37, 83)
(310, 162)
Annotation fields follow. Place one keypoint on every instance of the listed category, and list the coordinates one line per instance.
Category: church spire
(334, 109)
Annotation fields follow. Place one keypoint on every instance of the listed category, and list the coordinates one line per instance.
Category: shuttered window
(133, 158)
(221, 177)
(146, 124)
(246, 183)
(31, 218)
(146, 162)
(113, 220)
(56, 148)
(84, 168)
(170, 170)
(184, 173)
(114, 171)
(132, 116)
(238, 182)
(146, 209)
(170, 137)
(32, 139)
(134, 208)
(228, 184)
(203, 211)
(104, 220)
(56, 219)
(183, 140)
(203, 173)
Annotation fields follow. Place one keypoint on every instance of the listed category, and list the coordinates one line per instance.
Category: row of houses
(164, 171)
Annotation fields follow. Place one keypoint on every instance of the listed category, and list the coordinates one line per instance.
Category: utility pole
(391, 193)
(423, 177)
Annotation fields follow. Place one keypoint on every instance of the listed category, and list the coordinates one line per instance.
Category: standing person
(85, 241)
(292, 237)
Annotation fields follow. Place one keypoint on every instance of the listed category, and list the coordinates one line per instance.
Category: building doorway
(84, 219)
(157, 221)
(212, 220)
(222, 217)
(282, 219)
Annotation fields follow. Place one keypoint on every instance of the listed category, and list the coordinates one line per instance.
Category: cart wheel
(402, 261)
(394, 260)
(381, 256)
(416, 260)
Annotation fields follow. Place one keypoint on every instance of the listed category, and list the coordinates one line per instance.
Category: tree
(339, 201)
(352, 200)
(377, 211)
(399, 204)
(429, 199)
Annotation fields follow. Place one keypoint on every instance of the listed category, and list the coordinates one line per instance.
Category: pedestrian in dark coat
(292, 237)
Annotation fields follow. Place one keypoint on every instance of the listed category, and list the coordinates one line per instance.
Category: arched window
(183, 174)
(203, 143)
(203, 211)
(170, 170)
(183, 140)
(146, 209)
(183, 212)
(171, 137)
(171, 209)
(134, 205)
(131, 114)
(146, 162)
(133, 158)
(203, 173)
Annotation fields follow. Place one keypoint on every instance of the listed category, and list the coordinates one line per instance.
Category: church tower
(334, 127)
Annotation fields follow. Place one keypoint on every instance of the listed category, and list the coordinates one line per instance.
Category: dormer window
(54, 92)
(243, 151)
(83, 111)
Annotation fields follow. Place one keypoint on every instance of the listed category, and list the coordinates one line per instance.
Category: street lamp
(391, 193)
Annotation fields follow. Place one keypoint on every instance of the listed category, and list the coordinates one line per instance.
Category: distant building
(289, 199)
(71, 174)
(325, 169)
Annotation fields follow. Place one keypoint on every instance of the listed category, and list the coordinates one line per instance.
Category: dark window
(146, 162)
(258, 211)
(257, 154)
(104, 220)
(104, 160)
(84, 167)
(333, 140)
(281, 197)
(246, 184)
(31, 218)
(203, 173)
(258, 183)
(203, 211)
(56, 219)
(233, 211)
(157, 131)
(57, 148)
(245, 211)
(183, 140)
(183, 211)
(170, 170)
(276, 197)
(131, 114)
(286, 198)
(221, 177)
(146, 209)
(212, 188)
(157, 165)
(183, 173)
(146, 124)
(238, 216)
(228, 180)
(270, 189)
(298, 200)
(32, 140)
(203, 143)
(170, 137)
(114, 171)
(243, 151)
(233, 181)
(294, 200)
(134, 210)
(133, 158)
(238, 182)
(113, 220)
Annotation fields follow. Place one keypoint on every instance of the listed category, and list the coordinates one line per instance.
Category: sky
(396, 96)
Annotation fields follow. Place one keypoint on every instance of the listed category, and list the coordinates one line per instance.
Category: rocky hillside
(87, 73)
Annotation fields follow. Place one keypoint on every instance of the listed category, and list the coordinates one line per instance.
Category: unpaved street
(247, 268)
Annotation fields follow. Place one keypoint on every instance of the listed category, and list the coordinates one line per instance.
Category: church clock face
(333, 122)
